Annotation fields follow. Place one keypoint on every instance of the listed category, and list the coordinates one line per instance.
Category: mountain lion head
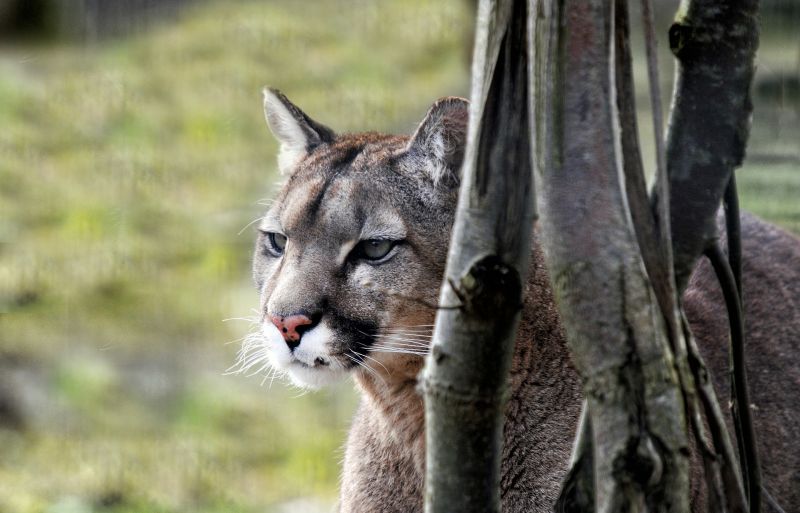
(350, 255)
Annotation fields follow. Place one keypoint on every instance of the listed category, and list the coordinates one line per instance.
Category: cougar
(348, 263)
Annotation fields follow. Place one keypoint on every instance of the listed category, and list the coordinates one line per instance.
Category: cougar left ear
(297, 133)
(440, 139)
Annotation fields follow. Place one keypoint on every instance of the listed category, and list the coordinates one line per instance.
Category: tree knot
(639, 464)
(490, 288)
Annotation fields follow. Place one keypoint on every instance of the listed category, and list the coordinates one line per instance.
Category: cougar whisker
(363, 355)
(400, 336)
(411, 341)
(251, 319)
(401, 345)
(251, 223)
(422, 334)
(359, 363)
(379, 349)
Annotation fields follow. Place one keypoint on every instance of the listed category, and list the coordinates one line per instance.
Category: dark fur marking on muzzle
(360, 335)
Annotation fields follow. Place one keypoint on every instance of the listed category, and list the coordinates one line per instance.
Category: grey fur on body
(371, 319)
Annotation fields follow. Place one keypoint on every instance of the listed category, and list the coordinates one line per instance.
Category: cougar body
(348, 264)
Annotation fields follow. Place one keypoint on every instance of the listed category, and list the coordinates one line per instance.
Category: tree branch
(715, 43)
(742, 417)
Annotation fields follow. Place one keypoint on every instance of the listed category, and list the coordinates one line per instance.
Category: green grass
(127, 171)
(773, 192)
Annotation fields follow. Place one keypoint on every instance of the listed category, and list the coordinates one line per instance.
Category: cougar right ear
(297, 133)
(440, 139)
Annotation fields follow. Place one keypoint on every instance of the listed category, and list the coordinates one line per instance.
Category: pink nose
(290, 327)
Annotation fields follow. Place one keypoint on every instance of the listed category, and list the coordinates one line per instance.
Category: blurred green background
(133, 155)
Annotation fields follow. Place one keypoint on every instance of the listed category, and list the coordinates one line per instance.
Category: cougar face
(350, 256)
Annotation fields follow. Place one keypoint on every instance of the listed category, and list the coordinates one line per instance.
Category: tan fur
(342, 184)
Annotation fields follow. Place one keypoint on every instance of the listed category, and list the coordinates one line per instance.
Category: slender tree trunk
(465, 377)
(615, 329)
(715, 43)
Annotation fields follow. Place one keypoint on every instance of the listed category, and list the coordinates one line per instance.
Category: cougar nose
(292, 327)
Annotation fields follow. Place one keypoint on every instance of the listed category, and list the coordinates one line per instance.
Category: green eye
(276, 243)
(374, 249)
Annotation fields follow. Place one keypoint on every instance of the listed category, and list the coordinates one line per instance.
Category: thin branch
(734, 233)
(635, 186)
(661, 212)
(731, 476)
(742, 416)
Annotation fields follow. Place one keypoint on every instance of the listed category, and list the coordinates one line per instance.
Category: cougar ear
(440, 139)
(297, 133)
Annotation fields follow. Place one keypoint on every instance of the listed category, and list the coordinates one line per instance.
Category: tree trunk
(615, 329)
(608, 248)
(465, 376)
(715, 44)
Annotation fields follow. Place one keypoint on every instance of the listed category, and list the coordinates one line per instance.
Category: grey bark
(715, 43)
(465, 376)
(615, 329)
(724, 486)
(616, 285)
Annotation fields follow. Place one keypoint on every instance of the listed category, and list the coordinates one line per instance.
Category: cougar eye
(374, 249)
(276, 243)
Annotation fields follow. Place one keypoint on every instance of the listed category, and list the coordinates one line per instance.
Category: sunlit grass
(127, 169)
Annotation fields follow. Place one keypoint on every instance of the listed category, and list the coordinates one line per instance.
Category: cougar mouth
(335, 347)
(318, 362)
(324, 354)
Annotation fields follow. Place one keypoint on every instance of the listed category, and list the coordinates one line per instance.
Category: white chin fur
(314, 378)
(301, 366)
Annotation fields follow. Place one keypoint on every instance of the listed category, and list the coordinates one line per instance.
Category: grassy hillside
(129, 172)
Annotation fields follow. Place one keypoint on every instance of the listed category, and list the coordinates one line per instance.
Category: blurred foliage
(129, 171)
